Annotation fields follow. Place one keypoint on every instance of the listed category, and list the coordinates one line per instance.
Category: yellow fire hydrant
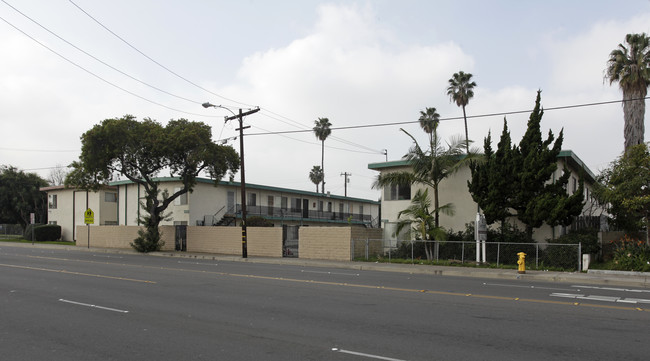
(522, 262)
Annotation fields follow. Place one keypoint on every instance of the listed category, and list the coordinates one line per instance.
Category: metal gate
(181, 238)
(290, 241)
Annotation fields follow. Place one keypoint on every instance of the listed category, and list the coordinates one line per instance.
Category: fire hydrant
(522, 262)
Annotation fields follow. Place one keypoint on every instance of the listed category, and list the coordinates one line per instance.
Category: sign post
(480, 234)
(32, 220)
(89, 218)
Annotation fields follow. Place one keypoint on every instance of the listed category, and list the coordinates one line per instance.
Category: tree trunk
(322, 165)
(466, 132)
(633, 113)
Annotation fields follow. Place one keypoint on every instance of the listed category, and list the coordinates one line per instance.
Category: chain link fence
(538, 256)
(11, 231)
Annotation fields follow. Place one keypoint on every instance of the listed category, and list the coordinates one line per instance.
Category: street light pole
(240, 117)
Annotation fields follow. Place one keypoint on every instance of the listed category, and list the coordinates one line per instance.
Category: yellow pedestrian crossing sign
(89, 216)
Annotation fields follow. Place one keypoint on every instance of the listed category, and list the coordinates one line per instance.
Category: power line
(487, 115)
(153, 60)
(95, 75)
(97, 59)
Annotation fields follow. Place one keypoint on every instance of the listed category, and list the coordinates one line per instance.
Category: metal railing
(539, 256)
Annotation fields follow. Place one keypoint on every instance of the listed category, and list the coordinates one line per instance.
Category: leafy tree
(630, 67)
(21, 195)
(316, 176)
(322, 131)
(492, 180)
(460, 91)
(625, 188)
(429, 167)
(140, 151)
(519, 179)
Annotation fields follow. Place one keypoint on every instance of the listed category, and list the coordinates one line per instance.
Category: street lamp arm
(209, 105)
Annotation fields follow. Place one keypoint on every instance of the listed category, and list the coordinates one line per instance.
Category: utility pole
(240, 117)
(346, 174)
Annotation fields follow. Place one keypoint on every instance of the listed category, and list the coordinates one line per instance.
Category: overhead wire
(487, 115)
(153, 60)
(95, 75)
(276, 115)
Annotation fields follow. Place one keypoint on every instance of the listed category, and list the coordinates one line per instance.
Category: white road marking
(529, 287)
(203, 264)
(331, 273)
(600, 298)
(93, 306)
(612, 289)
(96, 255)
(376, 357)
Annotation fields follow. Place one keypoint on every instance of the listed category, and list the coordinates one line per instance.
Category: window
(52, 222)
(51, 204)
(397, 192)
(575, 184)
(251, 200)
(329, 206)
(110, 197)
(284, 203)
(340, 207)
(295, 205)
(361, 209)
(182, 199)
(320, 206)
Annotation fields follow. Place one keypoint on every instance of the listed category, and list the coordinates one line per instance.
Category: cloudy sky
(362, 64)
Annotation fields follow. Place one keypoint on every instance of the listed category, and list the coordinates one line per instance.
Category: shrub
(47, 232)
(257, 221)
(631, 255)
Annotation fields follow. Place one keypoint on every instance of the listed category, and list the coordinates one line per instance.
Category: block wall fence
(326, 243)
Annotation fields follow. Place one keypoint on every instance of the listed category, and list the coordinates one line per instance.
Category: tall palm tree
(429, 120)
(460, 91)
(316, 175)
(630, 67)
(322, 131)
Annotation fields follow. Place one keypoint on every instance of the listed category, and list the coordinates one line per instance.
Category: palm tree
(630, 67)
(460, 91)
(316, 175)
(429, 167)
(322, 131)
(421, 219)
(429, 120)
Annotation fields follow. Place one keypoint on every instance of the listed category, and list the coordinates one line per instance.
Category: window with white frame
(51, 201)
(110, 197)
(182, 199)
(397, 192)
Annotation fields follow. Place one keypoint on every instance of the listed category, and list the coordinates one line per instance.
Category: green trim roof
(567, 154)
(258, 187)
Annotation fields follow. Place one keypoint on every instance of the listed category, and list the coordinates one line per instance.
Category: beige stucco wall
(119, 236)
(71, 206)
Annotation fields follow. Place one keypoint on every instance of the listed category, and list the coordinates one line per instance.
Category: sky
(370, 67)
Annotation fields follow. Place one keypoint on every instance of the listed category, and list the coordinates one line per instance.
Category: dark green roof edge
(258, 187)
(573, 160)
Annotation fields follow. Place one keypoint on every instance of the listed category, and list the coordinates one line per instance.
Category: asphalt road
(73, 305)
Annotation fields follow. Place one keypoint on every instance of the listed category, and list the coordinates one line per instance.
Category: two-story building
(454, 190)
(208, 205)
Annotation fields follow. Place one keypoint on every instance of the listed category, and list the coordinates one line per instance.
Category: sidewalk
(592, 277)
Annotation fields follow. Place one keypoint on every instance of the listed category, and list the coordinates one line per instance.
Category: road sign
(89, 216)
